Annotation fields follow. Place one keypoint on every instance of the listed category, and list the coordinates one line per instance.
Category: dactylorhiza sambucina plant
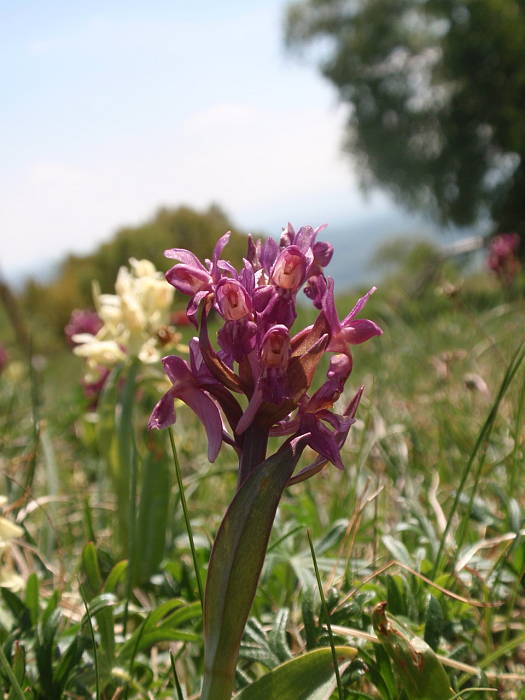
(122, 345)
(132, 323)
(257, 356)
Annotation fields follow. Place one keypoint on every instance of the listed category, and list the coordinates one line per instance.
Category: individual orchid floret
(233, 300)
(351, 330)
(186, 388)
(275, 355)
(316, 290)
(289, 270)
(191, 277)
(272, 381)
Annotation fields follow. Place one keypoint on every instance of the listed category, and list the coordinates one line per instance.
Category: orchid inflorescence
(257, 356)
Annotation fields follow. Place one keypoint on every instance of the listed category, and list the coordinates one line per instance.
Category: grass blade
(180, 696)
(15, 685)
(186, 517)
(92, 633)
(481, 440)
(327, 616)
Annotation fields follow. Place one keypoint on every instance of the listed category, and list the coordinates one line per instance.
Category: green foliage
(436, 90)
(417, 429)
(307, 677)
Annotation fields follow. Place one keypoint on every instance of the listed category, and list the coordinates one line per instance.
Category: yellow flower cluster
(132, 318)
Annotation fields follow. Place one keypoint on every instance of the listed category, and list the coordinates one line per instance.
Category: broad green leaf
(32, 597)
(235, 564)
(419, 670)
(306, 677)
(92, 570)
(115, 576)
(101, 602)
(153, 508)
(434, 623)
(100, 606)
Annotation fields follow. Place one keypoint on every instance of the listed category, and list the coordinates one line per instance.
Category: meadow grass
(428, 516)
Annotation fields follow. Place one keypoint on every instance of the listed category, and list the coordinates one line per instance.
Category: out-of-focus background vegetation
(430, 120)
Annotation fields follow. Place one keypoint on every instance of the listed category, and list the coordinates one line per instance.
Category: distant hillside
(49, 304)
(356, 241)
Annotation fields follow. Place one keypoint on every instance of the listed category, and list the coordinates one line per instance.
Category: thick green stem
(235, 564)
(254, 447)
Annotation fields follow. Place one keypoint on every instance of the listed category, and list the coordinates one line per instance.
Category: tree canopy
(436, 90)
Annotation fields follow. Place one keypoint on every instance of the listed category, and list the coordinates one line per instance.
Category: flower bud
(234, 303)
(289, 269)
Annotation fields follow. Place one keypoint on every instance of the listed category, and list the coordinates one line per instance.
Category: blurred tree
(50, 304)
(436, 90)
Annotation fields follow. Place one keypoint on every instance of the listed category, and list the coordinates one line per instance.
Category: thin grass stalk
(327, 617)
(472, 690)
(495, 655)
(126, 449)
(6, 668)
(517, 434)
(180, 696)
(513, 367)
(35, 416)
(93, 641)
(132, 521)
(186, 517)
(481, 439)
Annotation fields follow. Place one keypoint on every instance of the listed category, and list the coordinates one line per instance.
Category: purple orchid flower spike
(186, 388)
(256, 354)
(351, 330)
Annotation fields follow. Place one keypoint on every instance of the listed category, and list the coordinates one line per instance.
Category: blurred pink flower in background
(502, 257)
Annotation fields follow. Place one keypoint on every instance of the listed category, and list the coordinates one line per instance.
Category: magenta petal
(164, 412)
(324, 441)
(184, 256)
(304, 238)
(329, 309)
(351, 409)
(360, 330)
(177, 370)
(219, 246)
(249, 414)
(359, 305)
(209, 414)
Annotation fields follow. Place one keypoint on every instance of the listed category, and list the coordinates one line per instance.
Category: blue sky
(111, 109)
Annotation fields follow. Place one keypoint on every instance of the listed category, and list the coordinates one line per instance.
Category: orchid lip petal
(360, 330)
(209, 415)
